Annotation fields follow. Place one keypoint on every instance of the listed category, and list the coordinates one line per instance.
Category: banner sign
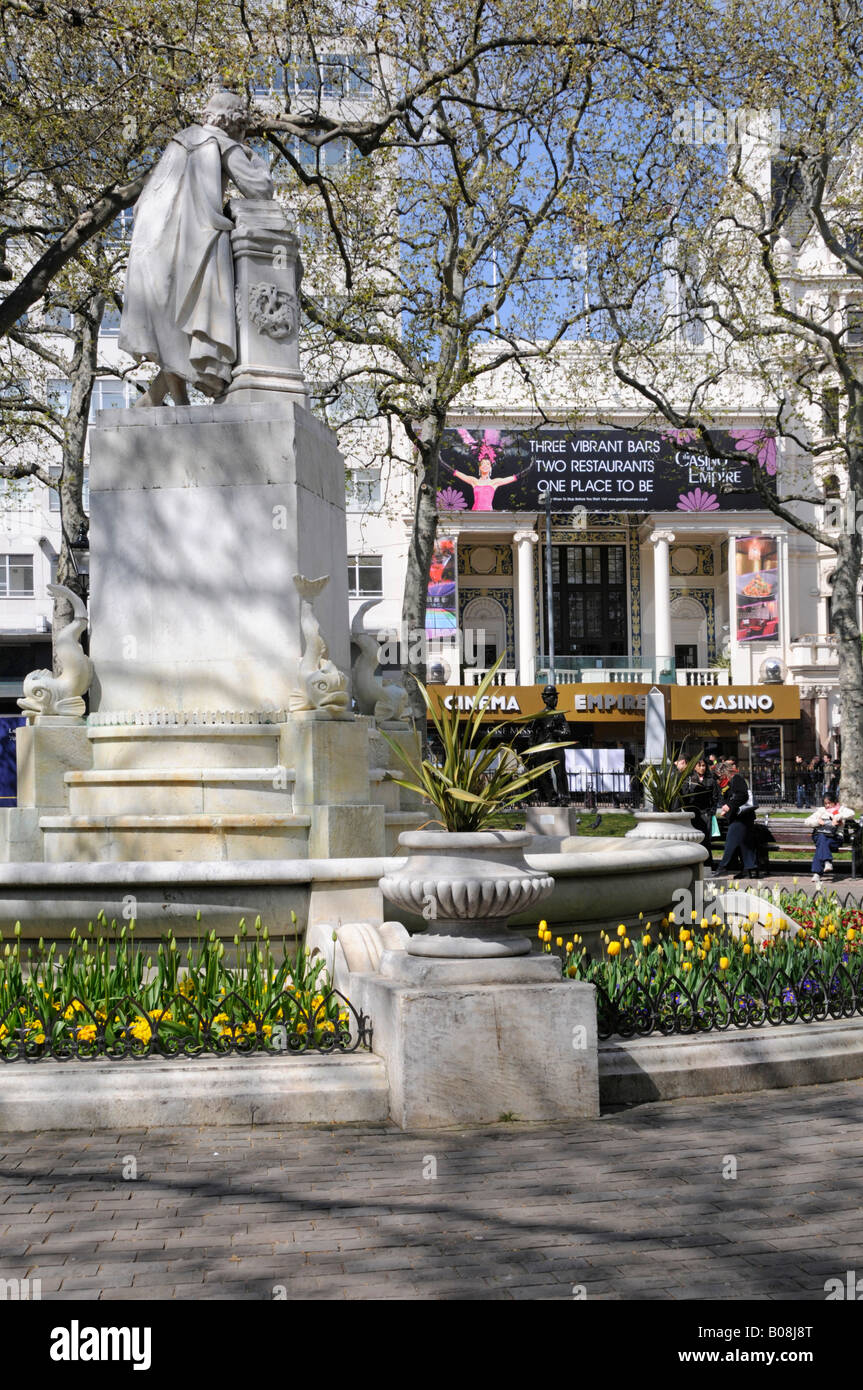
(495, 470)
(756, 561)
(441, 621)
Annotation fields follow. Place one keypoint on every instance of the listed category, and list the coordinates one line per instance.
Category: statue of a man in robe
(178, 308)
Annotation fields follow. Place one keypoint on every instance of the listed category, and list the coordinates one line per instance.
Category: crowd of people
(815, 780)
(718, 796)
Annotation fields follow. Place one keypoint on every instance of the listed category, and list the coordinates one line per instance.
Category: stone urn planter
(664, 825)
(466, 884)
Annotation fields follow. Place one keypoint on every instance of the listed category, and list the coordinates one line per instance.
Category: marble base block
(200, 517)
(463, 1052)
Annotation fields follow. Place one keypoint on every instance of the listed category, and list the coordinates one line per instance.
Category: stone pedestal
(267, 271)
(45, 753)
(467, 1042)
(200, 518)
(552, 820)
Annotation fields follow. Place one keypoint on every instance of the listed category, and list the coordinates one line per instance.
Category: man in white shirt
(828, 819)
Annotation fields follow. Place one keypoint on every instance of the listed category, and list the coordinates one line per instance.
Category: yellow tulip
(704, 923)
(822, 935)
(687, 965)
(569, 946)
(559, 941)
(626, 943)
(723, 962)
(645, 941)
(614, 948)
(747, 949)
(684, 934)
(689, 945)
(621, 930)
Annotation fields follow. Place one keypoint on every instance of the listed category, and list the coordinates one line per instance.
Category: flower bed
(690, 979)
(103, 998)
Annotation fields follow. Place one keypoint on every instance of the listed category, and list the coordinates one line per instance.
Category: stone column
(267, 271)
(663, 650)
(524, 542)
(733, 649)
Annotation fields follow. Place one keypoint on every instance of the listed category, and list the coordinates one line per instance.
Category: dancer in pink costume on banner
(484, 488)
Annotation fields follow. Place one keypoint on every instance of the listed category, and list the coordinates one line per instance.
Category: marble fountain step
(180, 791)
(205, 836)
(137, 746)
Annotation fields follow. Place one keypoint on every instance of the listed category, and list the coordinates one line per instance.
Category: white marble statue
(178, 308)
(386, 700)
(47, 694)
(321, 686)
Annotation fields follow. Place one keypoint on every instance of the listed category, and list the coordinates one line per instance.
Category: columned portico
(524, 542)
(664, 652)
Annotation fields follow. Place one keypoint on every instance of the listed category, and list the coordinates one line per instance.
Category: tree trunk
(850, 652)
(74, 522)
(419, 565)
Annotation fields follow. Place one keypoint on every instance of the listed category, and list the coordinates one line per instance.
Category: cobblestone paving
(634, 1205)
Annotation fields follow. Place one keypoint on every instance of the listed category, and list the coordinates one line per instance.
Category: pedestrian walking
(802, 784)
(700, 795)
(738, 809)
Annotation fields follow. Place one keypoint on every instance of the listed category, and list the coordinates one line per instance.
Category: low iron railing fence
(669, 1007)
(123, 1030)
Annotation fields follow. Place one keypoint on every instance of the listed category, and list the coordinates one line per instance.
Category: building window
(363, 489)
(58, 393)
(110, 325)
(335, 75)
(121, 227)
(110, 393)
(54, 495)
(12, 390)
(57, 317)
(365, 576)
(854, 325)
(16, 576)
(590, 600)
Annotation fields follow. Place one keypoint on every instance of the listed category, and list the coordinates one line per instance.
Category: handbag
(714, 828)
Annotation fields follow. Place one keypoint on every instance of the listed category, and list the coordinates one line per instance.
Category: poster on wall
(757, 588)
(441, 617)
(495, 470)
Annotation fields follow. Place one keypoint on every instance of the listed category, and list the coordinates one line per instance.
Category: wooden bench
(794, 834)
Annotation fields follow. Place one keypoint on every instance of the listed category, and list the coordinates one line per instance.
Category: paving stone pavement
(631, 1206)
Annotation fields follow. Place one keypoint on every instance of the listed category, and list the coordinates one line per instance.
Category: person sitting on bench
(828, 821)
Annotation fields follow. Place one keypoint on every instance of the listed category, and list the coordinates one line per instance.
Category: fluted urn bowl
(466, 885)
(665, 825)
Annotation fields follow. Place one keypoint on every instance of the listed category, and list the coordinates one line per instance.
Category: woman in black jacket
(741, 824)
(700, 795)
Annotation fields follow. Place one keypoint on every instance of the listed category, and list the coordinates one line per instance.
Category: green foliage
(105, 981)
(479, 777)
(666, 954)
(663, 781)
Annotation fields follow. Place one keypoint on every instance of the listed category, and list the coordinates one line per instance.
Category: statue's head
(229, 112)
(549, 697)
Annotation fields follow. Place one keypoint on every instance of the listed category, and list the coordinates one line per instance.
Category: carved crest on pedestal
(273, 311)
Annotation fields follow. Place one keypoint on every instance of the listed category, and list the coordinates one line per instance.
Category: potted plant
(665, 818)
(469, 876)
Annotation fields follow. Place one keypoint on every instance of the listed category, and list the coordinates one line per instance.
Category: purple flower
(759, 444)
(698, 501)
(449, 499)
